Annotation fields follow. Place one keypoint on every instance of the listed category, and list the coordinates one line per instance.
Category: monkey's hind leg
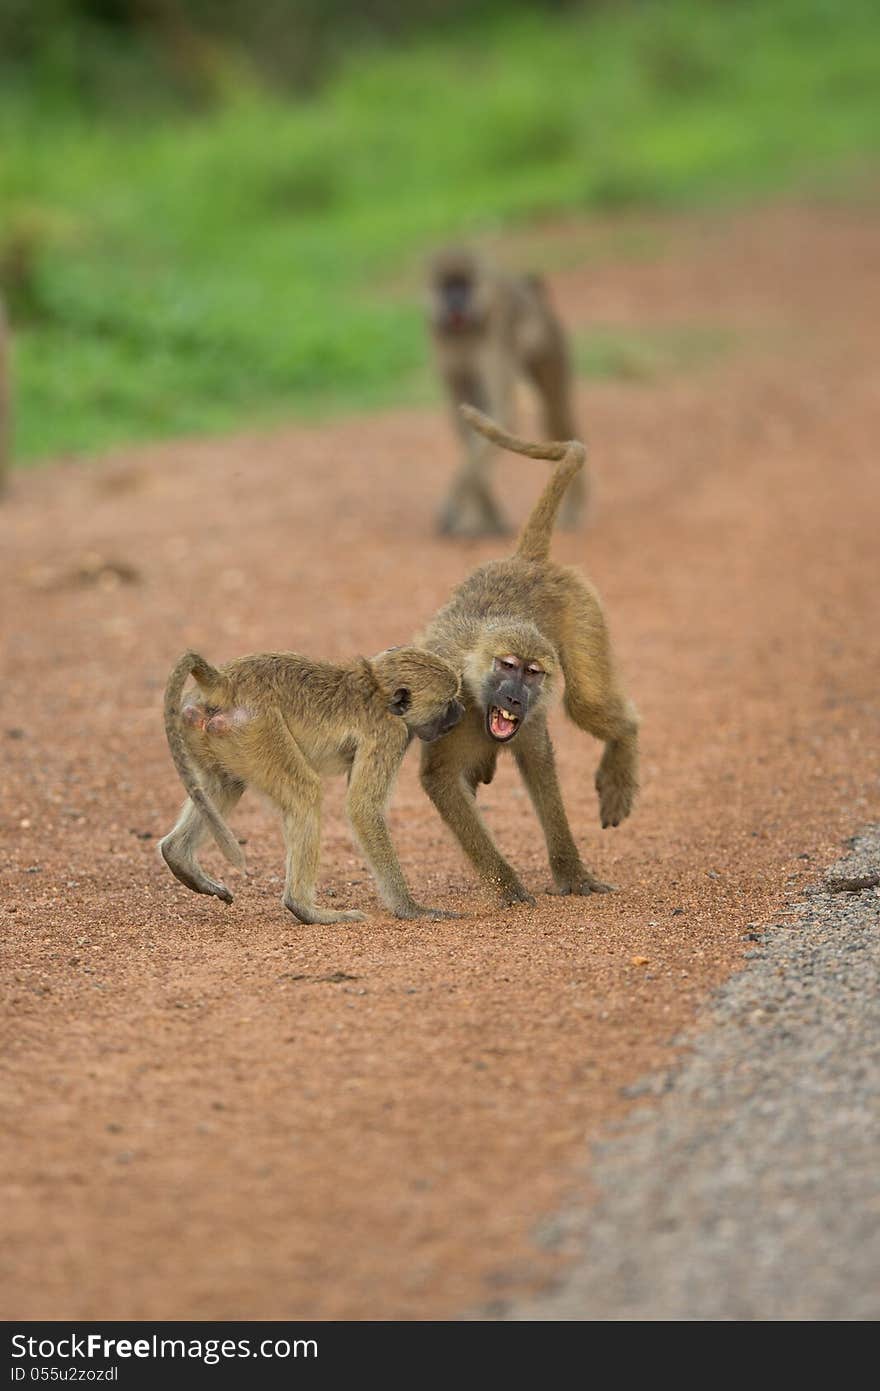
(470, 509)
(576, 502)
(180, 847)
(297, 790)
(551, 376)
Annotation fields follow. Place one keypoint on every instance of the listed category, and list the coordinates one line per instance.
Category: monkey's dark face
(423, 691)
(441, 724)
(512, 689)
(438, 723)
(457, 305)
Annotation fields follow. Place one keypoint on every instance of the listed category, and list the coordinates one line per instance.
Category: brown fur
(507, 329)
(546, 614)
(280, 722)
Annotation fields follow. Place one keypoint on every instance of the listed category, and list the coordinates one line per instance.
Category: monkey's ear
(400, 701)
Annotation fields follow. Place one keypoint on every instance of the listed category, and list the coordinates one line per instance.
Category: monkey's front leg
(617, 777)
(443, 780)
(595, 702)
(179, 849)
(369, 787)
(533, 752)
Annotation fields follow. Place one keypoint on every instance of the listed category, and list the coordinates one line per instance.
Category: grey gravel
(750, 1188)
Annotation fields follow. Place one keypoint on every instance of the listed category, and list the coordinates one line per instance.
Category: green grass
(205, 272)
(649, 353)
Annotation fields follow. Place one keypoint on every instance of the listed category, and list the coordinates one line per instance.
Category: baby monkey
(279, 722)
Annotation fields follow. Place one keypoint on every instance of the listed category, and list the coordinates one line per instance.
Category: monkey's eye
(534, 670)
(508, 663)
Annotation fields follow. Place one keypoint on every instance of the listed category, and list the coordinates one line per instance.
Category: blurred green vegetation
(650, 352)
(174, 265)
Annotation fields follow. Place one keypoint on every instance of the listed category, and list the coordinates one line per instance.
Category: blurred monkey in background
(489, 330)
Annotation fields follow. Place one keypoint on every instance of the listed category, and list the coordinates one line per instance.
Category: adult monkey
(512, 630)
(488, 330)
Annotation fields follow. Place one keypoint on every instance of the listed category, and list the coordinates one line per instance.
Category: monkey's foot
(581, 883)
(451, 525)
(513, 892)
(615, 804)
(193, 877)
(321, 917)
(418, 910)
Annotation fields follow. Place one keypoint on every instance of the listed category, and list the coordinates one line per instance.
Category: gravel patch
(752, 1189)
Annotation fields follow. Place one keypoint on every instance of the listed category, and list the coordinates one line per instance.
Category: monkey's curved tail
(534, 539)
(192, 664)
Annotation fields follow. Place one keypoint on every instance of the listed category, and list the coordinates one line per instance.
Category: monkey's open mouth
(501, 724)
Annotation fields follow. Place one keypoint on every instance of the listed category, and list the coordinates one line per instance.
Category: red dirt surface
(216, 1112)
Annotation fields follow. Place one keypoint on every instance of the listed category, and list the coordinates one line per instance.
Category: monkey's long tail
(191, 664)
(534, 539)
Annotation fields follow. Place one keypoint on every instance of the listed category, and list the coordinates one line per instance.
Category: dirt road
(216, 1112)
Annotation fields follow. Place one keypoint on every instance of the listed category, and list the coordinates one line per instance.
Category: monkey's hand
(616, 784)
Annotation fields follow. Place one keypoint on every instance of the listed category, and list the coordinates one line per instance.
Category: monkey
(278, 722)
(489, 329)
(5, 398)
(515, 630)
